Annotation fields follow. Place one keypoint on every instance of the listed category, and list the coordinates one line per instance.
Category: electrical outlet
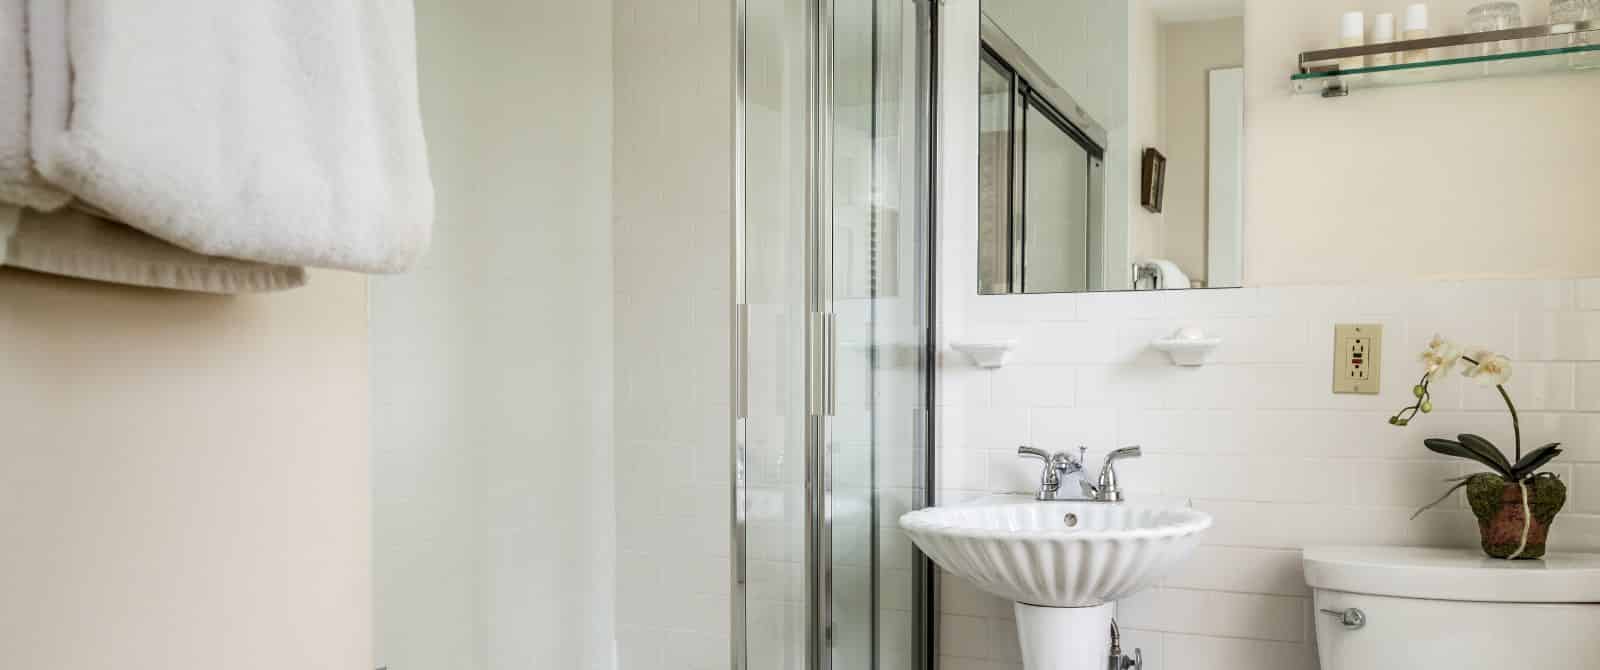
(1357, 358)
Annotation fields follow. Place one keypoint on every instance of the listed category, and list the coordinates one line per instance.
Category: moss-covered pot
(1499, 507)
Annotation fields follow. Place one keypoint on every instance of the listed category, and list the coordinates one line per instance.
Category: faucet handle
(1125, 452)
(1040, 454)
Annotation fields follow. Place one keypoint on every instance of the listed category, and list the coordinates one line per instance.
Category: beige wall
(183, 478)
(1192, 50)
(1147, 98)
(1489, 178)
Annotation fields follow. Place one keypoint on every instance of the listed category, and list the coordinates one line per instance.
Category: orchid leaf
(1487, 450)
(1453, 448)
(1533, 460)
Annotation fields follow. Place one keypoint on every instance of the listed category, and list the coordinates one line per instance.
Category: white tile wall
(671, 237)
(1259, 440)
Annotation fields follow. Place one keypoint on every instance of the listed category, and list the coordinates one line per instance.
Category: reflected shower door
(830, 300)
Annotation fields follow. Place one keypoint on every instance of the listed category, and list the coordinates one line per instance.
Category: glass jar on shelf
(1492, 16)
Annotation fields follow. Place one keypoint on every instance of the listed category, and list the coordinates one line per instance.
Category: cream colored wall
(1192, 50)
(183, 478)
(1488, 178)
(1147, 90)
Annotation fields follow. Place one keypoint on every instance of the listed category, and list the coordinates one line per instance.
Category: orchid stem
(1516, 425)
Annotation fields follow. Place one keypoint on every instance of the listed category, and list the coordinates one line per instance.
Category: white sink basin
(1030, 554)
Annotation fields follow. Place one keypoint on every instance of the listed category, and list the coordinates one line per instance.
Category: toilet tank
(1420, 609)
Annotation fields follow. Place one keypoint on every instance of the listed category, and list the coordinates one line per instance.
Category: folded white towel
(76, 244)
(19, 184)
(280, 131)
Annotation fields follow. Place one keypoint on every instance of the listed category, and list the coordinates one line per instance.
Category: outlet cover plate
(1358, 358)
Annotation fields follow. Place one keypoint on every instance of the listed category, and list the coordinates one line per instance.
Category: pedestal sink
(1063, 563)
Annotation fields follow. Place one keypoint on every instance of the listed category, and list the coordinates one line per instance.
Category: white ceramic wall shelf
(1189, 347)
(987, 355)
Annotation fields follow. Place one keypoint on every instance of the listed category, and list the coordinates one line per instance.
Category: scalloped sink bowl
(1057, 554)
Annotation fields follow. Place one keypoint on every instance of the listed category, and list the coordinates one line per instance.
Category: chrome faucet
(1056, 466)
(1105, 489)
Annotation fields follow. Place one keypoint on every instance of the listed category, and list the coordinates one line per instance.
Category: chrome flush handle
(1353, 619)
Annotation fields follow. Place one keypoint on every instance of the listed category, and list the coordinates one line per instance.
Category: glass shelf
(1516, 63)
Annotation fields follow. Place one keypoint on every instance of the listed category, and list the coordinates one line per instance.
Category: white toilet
(1398, 608)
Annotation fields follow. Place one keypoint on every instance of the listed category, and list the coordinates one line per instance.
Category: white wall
(492, 362)
(1469, 179)
(183, 478)
(672, 237)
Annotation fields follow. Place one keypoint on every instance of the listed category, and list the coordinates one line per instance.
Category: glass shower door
(830, 298)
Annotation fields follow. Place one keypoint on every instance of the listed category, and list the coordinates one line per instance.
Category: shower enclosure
(832, 370)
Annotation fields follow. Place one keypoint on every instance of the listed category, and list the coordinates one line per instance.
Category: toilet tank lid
(1454, 574)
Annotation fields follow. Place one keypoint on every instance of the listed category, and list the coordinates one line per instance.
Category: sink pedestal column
(1065, 638)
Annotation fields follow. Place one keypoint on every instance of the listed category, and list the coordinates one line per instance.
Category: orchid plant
(1487, 369)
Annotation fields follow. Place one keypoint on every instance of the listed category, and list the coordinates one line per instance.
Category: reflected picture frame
(1153, 180)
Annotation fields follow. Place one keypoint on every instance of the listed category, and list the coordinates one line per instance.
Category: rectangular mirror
(1110, 146)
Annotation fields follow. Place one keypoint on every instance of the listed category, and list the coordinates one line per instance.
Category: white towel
(19, 184)
(280, 131)
(1168, 276)
(76, 244)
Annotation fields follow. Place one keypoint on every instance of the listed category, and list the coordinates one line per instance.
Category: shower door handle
(830, 323)
(741, 361)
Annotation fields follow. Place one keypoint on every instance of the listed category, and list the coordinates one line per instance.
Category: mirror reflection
(1110, 148)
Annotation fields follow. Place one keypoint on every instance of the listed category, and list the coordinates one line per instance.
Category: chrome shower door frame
(821, 331)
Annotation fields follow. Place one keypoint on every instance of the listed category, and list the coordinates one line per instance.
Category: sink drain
(1071, 520)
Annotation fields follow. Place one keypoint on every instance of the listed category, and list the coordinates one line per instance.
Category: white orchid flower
(1440, 357)
(1491, 369)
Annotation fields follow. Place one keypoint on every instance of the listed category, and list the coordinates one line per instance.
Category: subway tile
(1059, 343)
(1106, 307)
(1587, 387)
(1215, 653)
(1067, 429)
(994, 428)
(1010, 473)
(1533, 386)
(1220, 613)
(1403, 483)
(1033, 386)
(959, 663)
(965, 636)
(1256, 478)
(1559, 336)
(1147, 644)
(959, 596)
(1003, 635)
(1588, 294)
(963, 469)
(1264, 340)
(1584, 489)
(1241, 570)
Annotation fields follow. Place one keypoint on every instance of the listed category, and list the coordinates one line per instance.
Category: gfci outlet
(1357, 358)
